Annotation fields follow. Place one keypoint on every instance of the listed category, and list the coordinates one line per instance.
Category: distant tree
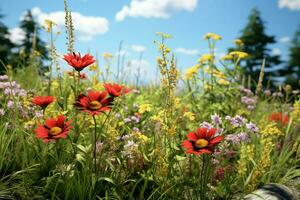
(32, 44)
(6, 45)
(292, 70)
(256, 43)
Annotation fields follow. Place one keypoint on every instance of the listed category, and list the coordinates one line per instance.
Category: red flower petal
(192, 136)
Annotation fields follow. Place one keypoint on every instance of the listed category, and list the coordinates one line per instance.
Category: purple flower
(10, 104)
(216, 119)
(252, 127)
(135, 129)
(3, 78)
(206, 125)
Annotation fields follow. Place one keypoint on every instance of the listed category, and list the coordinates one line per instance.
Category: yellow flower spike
(227, 57)
(192, 71)
(238, 42)
(54, 85)
(223, 82)
(239, 54)
(206, 58)
(213, 36)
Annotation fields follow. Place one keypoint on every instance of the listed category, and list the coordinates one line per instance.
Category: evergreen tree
(32, 43)
(256, 43)
(292, 69)
(6, 45)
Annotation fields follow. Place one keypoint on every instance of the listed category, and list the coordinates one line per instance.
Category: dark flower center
(95, 105)
(55, 130)
(201, 143)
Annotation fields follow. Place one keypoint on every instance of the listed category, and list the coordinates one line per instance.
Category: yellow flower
(189, 115)
(93, 68)
(239, 54)
(218, 74)
(212, 36)
(145, 108)
(206, 58)
(54, 85)
(223, 82)
(238, 42)
(227, 57)
(272, 130)
(49, 25)
(207, 87)
(192, 71)
(107, 55)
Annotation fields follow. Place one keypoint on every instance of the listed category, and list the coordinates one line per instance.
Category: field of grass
(201, 134)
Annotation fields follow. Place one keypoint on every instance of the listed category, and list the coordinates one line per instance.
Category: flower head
(78, 62)
(280, 118)
(94, 103)
(53, 129)
(190, 72)
(42, 101)
(115, 90)
(202, 141)
(206, 58)
(212, 36)
(239, 54)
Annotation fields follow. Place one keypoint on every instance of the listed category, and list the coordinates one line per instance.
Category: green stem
(95, 140)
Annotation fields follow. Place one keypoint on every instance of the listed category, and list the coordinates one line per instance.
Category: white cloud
(284, 39)
(155, 8)
(138, 48)
(276, 52)
(290, 4)
(16, 35)
(86, 27)
(189, 52)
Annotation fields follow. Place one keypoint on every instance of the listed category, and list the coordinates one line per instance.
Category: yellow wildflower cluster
(140, 137)
(239, 54)
(213, 36)
(295, 114)
(189, 115)
(191, 72)
(262, 165)
(206, 58)
(246, 154)
(145, 108)
(223, 82)
(271, 130)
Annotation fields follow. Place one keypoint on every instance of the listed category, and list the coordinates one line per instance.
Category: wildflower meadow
(81, 131)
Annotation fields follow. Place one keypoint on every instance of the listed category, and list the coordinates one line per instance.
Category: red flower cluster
(53, 129)
(94, 103)
(279, 118)
(116, 90)
(42, 101)
(201, 141)
(78, 62)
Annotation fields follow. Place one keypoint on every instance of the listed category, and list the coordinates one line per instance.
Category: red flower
(94, 103)
(279, 118)
(42, 101)
(53, 129)
(201, 141)
(78, 62)
(116, 90)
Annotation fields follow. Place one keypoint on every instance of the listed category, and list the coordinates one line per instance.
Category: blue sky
(101, 24)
